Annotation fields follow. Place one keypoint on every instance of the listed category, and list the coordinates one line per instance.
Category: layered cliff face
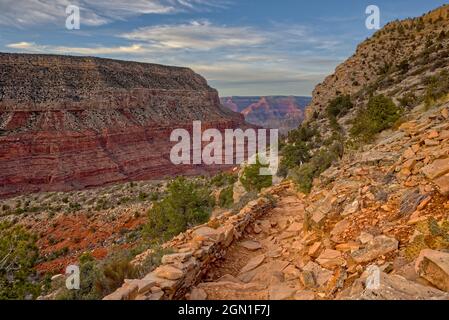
(281, 112)
(70, 122)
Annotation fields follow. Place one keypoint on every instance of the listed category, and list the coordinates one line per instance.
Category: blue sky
(242, 47)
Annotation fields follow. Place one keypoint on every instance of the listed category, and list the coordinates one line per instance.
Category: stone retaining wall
(194, 252)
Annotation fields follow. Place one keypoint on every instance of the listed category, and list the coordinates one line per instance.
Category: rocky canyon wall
(75, 122)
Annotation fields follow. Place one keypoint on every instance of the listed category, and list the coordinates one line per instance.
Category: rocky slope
(397, 61)
(385, 208)
(280, 112)
(71, 123)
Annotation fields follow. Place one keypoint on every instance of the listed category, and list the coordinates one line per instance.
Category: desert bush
(339, 106)
(437, 87)
(292, 156)
(297, 149)
(226, 197)
(379, 114)
(223, 179)
(187, 203)
(18, 255)
(408, 100)
(303, 175)
(251, 178)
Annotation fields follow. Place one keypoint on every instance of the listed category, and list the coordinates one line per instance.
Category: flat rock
(434, 267)
(380, 245)
(168, 272)
(251, 245)
(207, 232)
(330, 258)
(392, 287)
(436, 169)
(304, 295)
(253, 263)
(321, 275)
(198, 294)
(281, 292)
(443, 184)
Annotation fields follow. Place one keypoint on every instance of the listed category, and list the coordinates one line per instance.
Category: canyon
(70, 123)
(278, 112)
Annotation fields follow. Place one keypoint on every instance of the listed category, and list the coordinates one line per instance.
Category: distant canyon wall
(281, 112)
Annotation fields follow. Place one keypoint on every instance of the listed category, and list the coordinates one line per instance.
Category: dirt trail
(263, 264)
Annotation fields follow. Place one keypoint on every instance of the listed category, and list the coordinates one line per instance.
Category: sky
(242, 47)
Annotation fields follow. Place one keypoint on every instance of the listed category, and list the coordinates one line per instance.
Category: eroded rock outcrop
(70, 122)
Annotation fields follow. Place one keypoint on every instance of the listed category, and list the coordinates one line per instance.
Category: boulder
(251, 245)
(321, 275)
(443, 184)
(434, 267)
(168, 272)
(351, 208)
(198, 294)
(281, 292)
(253, 263)
(437, 169)
(380, 245)
(330, 258)
(392, 287)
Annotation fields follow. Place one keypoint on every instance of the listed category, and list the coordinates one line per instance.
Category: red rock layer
(71, 123)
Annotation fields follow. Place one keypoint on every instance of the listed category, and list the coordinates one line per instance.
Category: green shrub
(18, 255)
(251, 178)
(303, 175)
(226, 197)
(186, 204)
(223, 179)
(297, 149)
(339, 106)
(437, 87)
(292, 156)
(380, 114)
(408, 100)
(100, 278)
(142, 196)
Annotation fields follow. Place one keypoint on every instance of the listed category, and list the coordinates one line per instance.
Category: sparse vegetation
(437, 87)
(223, 179)
(303, 175)
(251, 178)
(379, 114)
(186, 204)
(225, 199)
(18, 254)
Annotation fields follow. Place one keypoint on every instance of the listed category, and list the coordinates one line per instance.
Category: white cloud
(36, 48)
(273, 59)
(197, 35)
(25, 13)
